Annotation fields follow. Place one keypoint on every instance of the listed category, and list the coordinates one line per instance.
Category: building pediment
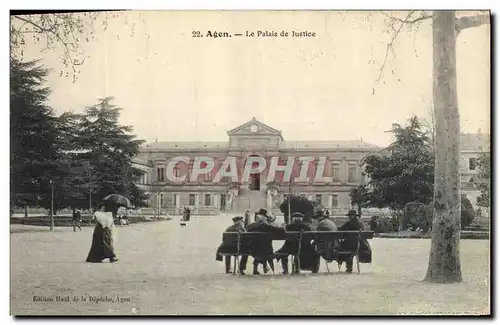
(254, 128)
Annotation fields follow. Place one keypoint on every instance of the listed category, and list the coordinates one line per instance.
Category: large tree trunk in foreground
(444, 260)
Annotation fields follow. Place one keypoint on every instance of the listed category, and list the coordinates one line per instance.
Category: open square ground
(165, 269)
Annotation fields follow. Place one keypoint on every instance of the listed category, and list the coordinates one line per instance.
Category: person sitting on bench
(365, 256)
(262, 251)
(326, 248)
(237, 226)
(308, 257)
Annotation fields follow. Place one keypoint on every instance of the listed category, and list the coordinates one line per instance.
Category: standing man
(247, 218)
(76, 220)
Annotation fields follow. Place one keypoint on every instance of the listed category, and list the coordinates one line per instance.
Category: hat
(262, 212)
(236, 219)
(352, 213)
(261, 218)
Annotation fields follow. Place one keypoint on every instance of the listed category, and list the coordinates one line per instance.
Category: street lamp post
(289, 201)
(90, 190)
(52, 205)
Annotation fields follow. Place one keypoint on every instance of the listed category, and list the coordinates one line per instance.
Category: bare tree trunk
(432, 128)
(444, 260)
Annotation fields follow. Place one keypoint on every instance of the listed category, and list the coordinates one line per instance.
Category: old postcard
(250, 163)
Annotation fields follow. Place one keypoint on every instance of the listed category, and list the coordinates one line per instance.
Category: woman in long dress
(103, 237)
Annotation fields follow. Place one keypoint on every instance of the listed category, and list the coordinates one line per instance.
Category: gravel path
(167, 269)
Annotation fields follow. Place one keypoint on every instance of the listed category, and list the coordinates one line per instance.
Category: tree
(64, 32)
(403, 173)
(297, 204)
(483, 164)
(105, 149)
(444, 258)
(33, 137)
(360, 197)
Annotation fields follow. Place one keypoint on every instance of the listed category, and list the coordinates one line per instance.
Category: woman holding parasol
(104, 236)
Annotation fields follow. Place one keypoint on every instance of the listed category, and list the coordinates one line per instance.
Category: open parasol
(119, 200)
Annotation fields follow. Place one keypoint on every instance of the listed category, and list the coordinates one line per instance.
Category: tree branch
(389, 46)
(412, 21)
(471, 21)
(403, 22)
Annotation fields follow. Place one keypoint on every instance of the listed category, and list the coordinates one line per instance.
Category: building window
(335, 200)
(472, 163)
(207, 200)
(176, 199)
(177, 171)
(191, 199)
(336, 172)
(206, 177)
(351, 176)
(302, 195)
(160, 174)
(318, 198)
(161, 199)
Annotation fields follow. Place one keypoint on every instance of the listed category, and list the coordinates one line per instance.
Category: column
(216, 200)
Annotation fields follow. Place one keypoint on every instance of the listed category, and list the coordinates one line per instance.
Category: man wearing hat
(262, 251)
(326, 248)
(309, 259)
(354, 224)
(237, 226)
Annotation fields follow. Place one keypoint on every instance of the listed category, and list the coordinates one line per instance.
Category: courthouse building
(341, 161)
(208, 194)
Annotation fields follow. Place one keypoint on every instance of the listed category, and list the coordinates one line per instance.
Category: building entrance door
(223, 202)
(255, 182)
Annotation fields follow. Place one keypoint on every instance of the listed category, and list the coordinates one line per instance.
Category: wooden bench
(299, 236)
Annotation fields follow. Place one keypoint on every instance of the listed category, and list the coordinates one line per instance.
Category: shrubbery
(467, 213)
(417, 217)
(384, 224)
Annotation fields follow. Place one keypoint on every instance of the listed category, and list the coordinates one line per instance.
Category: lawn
(165, 269)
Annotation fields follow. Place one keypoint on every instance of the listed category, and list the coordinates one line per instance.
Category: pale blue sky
(175, 87)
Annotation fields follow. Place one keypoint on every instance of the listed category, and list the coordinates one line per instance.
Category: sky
(174, 87)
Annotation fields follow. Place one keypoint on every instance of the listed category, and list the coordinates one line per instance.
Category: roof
(262, 129)
(353, 144)
(179, 145)
(475, 141)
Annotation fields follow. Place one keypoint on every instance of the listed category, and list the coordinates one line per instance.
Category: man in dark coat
(76, 220)
(326, 248)
(262, 251)
(232, 246)
(365, 254)
(247, 218)
(309, 259)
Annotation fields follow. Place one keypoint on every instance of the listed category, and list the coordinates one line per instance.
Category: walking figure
(76, 220)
